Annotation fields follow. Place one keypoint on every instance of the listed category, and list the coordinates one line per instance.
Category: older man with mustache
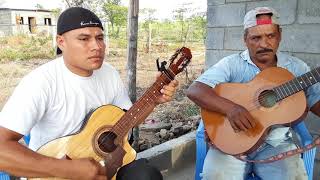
(262, 37)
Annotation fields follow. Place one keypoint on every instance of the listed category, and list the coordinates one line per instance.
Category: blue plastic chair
(303, 135)
(5, 176)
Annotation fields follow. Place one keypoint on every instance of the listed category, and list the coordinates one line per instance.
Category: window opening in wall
(47, 21)
(32, 24)
(19, 19)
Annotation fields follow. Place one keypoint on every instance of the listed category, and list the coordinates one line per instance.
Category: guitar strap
(281, 156)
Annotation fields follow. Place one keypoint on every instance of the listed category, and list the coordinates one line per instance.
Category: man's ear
(60, 41)
(245, 34)
(280, 31)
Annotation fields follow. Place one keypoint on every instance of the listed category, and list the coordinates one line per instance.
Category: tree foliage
(116, 15)
(56, 12)
(199, 20)
(75, 3)
(147, 15)
(39, 6)
(188, 19)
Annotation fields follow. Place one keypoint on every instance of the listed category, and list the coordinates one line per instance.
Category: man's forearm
(20, 161)
(204, 96)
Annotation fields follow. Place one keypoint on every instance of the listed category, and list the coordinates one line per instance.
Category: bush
(24, 47)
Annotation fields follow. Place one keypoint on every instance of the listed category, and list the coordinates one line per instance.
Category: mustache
(264, 50)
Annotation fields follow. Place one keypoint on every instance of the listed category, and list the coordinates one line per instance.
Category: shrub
(24, 47)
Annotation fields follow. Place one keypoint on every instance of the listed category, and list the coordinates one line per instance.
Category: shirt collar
(283, 61)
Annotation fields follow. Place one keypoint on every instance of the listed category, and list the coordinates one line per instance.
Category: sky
(163, 7)
(30, 4)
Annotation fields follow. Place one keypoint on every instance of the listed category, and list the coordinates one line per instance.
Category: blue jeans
(219, 166)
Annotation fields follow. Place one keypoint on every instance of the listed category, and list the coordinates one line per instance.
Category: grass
(23, 47)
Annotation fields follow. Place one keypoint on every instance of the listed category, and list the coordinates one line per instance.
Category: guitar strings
(152, 89)
(263, 99)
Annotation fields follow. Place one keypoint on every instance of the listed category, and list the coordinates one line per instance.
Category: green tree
(181, 16)
(117, 16)
(56, 12)
(191, 22)
(74, 3)
(39, 6)
(199, 20)
(148, 18)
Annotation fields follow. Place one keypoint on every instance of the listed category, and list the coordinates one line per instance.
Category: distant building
(26, 21)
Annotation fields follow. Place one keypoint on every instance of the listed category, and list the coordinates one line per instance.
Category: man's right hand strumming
(240, 118)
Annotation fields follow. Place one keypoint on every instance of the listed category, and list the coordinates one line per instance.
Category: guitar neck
(143, 106)
(298, 84)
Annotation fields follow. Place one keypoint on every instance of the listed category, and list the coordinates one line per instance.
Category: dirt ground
(180, 112)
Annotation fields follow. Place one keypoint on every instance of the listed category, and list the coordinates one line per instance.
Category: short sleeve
(26, 106)
(216, 74)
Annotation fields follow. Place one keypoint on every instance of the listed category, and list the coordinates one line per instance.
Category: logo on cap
(82, 23)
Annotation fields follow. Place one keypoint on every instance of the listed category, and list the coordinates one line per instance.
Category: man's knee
(139, 169)
(288, 169)
(220, 166)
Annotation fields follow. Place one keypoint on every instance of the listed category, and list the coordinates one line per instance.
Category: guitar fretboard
(297, 84)
(143, 107)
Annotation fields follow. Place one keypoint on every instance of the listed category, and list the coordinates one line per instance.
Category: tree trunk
(132, 59)
(186, 35)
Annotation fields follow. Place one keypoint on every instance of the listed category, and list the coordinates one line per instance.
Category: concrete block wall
(300, 21)
(5, 21)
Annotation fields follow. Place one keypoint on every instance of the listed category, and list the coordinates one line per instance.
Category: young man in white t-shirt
(53, 100)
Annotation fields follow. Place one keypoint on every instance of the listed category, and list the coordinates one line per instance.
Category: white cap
(250, 19)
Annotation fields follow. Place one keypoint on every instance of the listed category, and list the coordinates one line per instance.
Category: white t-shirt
(51, 101)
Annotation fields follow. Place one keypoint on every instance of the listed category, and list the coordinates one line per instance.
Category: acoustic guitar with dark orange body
(273, 97)
(104, 135)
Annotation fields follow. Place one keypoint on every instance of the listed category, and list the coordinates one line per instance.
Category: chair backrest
(26, 139)
(4, 176)
(305, 139)
(300, 129)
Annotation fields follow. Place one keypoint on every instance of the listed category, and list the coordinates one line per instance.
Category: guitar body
(85, 143)
(250, 95)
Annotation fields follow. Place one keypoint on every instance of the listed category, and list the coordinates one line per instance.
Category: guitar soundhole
(106, 141)
(267, 98)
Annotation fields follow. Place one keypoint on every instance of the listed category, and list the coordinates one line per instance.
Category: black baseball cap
(76, 18)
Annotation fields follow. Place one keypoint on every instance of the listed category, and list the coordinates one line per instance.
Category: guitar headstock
(179, 60)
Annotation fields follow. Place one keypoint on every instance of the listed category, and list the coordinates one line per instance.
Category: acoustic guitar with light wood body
(104, 134)
(273, 97)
